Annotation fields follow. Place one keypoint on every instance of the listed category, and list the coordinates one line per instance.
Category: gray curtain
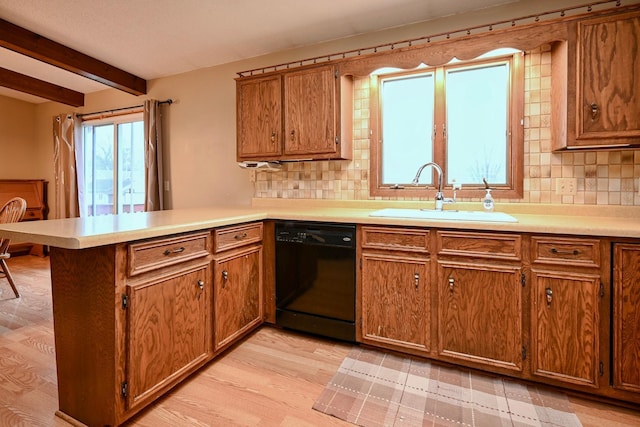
(153, 156)
(64, 166)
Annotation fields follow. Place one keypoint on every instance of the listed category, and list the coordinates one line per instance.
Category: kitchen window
(465, 116)
(111, 163)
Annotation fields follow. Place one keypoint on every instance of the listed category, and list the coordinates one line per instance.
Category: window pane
(407, 123)
(477, 120)
(98, 167)
(113, 168)
(88, 170)
(131, 187)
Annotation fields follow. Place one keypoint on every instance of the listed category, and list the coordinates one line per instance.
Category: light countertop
(76, 233)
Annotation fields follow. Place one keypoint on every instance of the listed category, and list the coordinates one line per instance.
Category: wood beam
(28, 43)
(26, 84)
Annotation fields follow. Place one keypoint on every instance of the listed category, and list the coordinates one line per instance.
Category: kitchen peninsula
(141, 301)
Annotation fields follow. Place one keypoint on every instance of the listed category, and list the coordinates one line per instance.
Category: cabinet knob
(273, 137)
(225, 277)
(416, 279)
(201, 285)
(549, 294)
(451, 283)
(293, 135)
(594, 110)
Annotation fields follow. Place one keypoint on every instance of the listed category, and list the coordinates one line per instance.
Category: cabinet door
(310, 112)
(167, 324)
(609, 77)
(565, 326)
(395, 301)
(238, 294)
(480, 314)
(626, 318)
(259, 121)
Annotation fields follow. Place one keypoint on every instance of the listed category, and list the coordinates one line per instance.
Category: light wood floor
(271, 379)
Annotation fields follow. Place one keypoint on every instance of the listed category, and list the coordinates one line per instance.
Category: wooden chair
(12, 211)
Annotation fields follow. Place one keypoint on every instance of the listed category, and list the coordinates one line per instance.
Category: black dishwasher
(316, 278)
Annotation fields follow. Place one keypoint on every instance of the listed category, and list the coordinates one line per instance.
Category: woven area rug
(373, 388)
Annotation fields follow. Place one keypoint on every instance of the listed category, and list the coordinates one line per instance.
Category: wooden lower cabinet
(395, 292)
(480, 314)
(237, 294)
(626, 317)
(132, 320)
(480, 299)
(567, 285)
(394, 301)
(237, 282)
(167, 325)
(565, 326)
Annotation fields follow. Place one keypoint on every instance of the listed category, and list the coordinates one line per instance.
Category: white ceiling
(157, 38)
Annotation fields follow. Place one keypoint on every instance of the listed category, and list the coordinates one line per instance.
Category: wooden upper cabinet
(310, 112)
(259, 121)
(596, 84)
(609, 78)
(295, 115)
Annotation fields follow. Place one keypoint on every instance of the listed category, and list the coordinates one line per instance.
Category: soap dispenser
(488, 202)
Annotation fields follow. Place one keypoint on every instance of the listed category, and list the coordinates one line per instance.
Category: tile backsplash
(601, 177)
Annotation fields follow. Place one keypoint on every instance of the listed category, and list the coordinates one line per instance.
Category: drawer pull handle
(559, 252)
(451, 283)
(174, 251)
(240, 236)
(549, 294)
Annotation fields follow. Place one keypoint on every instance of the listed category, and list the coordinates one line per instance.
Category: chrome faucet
(439, 199)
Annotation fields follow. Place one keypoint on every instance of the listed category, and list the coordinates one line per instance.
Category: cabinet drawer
(480, 245)
(147, 256)
(33, 214)
(398, 239)
(233, 237)
(566, 251)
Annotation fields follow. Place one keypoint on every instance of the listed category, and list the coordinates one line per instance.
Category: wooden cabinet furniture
(134, 319)
(259, 118)
(480, 299)
(626, 317)
(567, 292)
(168, 313)
(396, 285)
(597, 84)
(34, 191)
(295, 115)
(531, 306)
(238, 296)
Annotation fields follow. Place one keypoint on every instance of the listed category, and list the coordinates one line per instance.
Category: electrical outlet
(566, 186)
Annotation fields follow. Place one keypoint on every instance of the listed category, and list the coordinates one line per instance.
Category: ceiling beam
(28, 43)
(30, 85)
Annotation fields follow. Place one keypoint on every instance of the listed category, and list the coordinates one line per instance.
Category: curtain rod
(426, 39)
(114, 110)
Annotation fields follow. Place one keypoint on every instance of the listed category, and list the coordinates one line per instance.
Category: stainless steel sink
(446, 215)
